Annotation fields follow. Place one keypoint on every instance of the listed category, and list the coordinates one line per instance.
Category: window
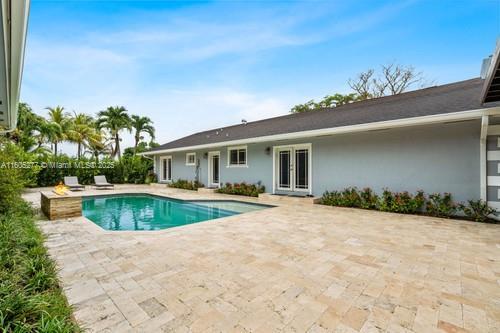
(237, 156)
(191, 159)
(166, 168)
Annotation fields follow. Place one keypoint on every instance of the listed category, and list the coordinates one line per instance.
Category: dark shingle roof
(448, 98)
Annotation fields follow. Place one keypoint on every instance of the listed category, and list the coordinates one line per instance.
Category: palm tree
(59, 117)
(142, 125)
(47, 132)
(82, 131)
(99, 145)
(115, 119)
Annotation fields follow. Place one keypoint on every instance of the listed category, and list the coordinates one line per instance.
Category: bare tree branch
(394, 79)
(362, 85)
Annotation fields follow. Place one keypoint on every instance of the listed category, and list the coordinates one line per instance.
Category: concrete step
(206, 190)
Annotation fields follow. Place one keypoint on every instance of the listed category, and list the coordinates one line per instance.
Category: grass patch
(30, 297)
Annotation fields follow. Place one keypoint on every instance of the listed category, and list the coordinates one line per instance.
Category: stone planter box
(57, 207)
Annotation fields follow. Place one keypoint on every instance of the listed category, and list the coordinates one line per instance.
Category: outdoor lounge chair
(102, 183)
(72, 183)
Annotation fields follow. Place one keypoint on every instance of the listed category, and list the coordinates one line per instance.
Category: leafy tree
(114, 119)
(394, 79)
(142, 125)
(329, 101)
(27, 124)
(61, 119)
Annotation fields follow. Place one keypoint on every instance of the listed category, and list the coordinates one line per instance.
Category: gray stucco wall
(436, 158)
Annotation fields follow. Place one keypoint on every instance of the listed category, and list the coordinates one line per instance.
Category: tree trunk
(117, 147)
(55, 148)
(137, 138)
(79, 150)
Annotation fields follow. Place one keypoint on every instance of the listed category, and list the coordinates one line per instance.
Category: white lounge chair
(102, 183)
(72, 183)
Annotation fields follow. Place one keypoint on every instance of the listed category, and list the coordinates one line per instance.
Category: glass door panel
(302, 169)
(284, 176)
(215, 169)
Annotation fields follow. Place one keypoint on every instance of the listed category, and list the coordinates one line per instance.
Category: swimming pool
(150, 212)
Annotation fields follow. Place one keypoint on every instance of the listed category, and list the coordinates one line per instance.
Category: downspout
(482, 157)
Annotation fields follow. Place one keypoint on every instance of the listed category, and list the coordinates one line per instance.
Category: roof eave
(15, 24)
(397, 123)
(491, 74)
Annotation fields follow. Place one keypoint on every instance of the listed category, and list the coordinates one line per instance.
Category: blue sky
(197, 65)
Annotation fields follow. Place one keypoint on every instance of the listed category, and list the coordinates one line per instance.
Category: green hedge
(436, 204)
(251, 190)
(186, 184)
(130, 169)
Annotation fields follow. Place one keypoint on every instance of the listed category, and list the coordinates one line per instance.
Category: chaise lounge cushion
(100, 181)
(72, 183)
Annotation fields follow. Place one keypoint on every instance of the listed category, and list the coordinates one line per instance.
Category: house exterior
(439, 139)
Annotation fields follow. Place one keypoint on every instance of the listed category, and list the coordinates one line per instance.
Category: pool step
(289, 199)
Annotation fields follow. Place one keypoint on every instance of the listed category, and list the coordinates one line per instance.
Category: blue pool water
(148, 212)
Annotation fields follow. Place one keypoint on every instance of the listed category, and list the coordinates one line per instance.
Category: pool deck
(292, 268)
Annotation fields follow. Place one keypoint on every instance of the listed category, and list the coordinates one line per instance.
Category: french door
(292, 168)
(166, 168)
(214, 169)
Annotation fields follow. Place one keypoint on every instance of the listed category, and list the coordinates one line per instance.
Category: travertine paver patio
(289, 268)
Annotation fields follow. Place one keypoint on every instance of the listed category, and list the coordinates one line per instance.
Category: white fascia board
(19, 28)
(398, 123)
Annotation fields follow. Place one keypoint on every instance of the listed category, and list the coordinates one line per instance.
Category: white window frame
(163, 178)
(229, 165)
(187, 159)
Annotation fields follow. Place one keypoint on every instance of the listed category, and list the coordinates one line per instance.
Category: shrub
(402, 202)
(14, 175)
(350, 197)
(251, 190)
(333, 198)
(478, 210)
(369, 200)
(186, 184)
(440, 205)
